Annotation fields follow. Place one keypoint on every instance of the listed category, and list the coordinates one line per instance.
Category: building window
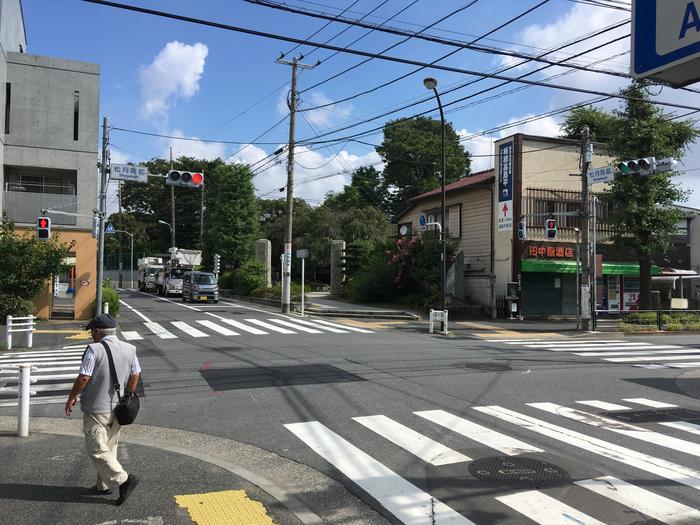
(76, 113)
(682, 228)
(8, 96)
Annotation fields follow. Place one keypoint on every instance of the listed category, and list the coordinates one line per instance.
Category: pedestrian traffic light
(522, 230)
(217, 263)
(43, 228)
(187, 179)
(550, 229)
(643, 166)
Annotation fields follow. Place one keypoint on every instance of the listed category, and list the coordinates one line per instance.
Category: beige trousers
(101, 440)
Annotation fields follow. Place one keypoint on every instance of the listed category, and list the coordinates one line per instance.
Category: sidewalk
(323, 304)
(186, 478)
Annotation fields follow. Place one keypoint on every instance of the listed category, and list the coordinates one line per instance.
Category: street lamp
(431, 84)
(172, 242)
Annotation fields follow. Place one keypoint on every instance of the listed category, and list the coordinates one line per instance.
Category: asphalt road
(432, 429)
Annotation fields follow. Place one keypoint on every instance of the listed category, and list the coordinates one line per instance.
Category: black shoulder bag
(128, 405)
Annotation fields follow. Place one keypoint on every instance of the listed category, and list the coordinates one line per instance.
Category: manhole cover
(655, 415)
(488, 367)
(517, 470)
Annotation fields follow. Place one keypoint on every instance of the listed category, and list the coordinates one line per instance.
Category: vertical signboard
(505, 187)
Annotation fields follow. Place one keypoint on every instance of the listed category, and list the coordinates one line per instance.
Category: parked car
(199, 287)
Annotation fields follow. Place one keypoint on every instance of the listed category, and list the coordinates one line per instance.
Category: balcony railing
(24, 207)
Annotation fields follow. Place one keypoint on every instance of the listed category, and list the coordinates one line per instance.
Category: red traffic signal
(197, 178)
(187, 179)
(550, 229)
(43, 228)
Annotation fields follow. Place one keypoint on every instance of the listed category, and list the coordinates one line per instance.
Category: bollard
(105, 308)
(23, 395)
(8, 333)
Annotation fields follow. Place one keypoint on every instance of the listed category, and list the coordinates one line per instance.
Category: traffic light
(550, 229)
(43, 228)
(522, 230)
(217, 263)
(643, 166)
(187, 179)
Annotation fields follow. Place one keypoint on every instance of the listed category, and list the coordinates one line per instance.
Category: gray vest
(98, 396)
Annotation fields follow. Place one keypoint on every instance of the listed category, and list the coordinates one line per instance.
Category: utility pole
(172, 207)
(287, 259)
(201, 220)
(585, 294)
(104, 170)
(121, 227)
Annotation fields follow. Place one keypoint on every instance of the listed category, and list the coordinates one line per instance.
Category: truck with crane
(149, 267)
(169, 280)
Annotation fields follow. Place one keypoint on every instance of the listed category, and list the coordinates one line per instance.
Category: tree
(411, 151)
(232, 216)
(28, 264)
(365, 189)
(640, 208)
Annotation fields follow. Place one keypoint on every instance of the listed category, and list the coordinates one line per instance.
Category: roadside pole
(585, 285)
(103, 209)
(302, 287)
(121, 237)
(172, 207)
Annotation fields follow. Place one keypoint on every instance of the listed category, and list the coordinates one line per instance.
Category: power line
(387, 58)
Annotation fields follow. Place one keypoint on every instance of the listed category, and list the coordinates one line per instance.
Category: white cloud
(309, 168)
(321, 117)
(192, 148)
(174, 73)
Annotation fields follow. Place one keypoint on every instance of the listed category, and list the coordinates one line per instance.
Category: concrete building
(48, 154)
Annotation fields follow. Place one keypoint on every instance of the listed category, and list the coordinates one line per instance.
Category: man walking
(98, 400)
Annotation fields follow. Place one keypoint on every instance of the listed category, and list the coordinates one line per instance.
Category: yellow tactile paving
(228, 507)
(499, 331)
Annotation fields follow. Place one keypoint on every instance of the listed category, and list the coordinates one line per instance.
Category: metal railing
(19, 324)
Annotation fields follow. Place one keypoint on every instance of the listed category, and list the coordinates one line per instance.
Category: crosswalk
(222, 326)
(640, 354)
(53, 370)
(646, 495)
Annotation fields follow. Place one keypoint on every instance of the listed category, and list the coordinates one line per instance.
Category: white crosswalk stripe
(582, 503)
(640, 354)
(189, 330)
(131, 336)
(244, 327)
(217, 328)
(317, 325)
(296, 326)
(269, 326)
(158, 330)
(649, 402)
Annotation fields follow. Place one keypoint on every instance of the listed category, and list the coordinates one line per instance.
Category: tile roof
(461, 184)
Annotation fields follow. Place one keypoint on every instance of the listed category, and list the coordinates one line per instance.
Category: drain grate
(655, 415)
(518, 471)
(488, 367)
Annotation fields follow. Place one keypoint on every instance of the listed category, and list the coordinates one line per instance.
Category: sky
(188, 81)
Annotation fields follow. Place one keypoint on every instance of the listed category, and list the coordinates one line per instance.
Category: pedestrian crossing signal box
(512, 290)
(43, 228)
(550, 229)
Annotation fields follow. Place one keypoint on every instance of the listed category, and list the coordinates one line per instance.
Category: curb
(217, 450)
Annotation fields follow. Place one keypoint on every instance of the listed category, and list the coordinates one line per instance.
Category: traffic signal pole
(585, 292)
(172, 208)
(287, 259)
(104, 170)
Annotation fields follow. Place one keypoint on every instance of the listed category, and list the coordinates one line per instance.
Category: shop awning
(553, 266)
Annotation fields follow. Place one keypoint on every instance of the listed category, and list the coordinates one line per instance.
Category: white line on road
(38, 360)
(239, 325)
(684, 426)
(48, 400)
(189, 330)
(319, 326)
(545, 510)
(181, 303)
(603, 405)
(689, 364)
(40, 388)
(217, 328)
(652, 358)
(649, 402)
(643, 501)
(638, 352)
(269, 326)
(417, 444)
(404, 500)
(476, 432)
(33, 355)
(563, 344)
(74, 347)
(131, 336)
(343, 326)
(159, 331)
(657, 466)
(135, 311)
(295, 326)
(618, 427)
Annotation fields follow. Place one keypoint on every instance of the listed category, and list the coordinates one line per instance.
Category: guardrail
(648, 320)
(23, 381)
(19, 324)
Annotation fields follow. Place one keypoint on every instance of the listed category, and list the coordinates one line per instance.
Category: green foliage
(365, 190)
(110, 296)
(13, 305)
(374, 281)
(411, 151)
(640, 208)
(243, 280)
(275, 291)
(28, 263)
(232, 216)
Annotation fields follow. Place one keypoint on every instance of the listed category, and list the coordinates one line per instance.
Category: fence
(19, 324)
(648, 320)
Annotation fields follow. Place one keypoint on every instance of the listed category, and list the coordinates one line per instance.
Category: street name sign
(302, 254)
(666, 41)
(505, 186)
(604, 174)
(128, 173)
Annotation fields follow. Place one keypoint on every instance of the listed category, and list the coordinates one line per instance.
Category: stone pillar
(337, 273)
(263, 253)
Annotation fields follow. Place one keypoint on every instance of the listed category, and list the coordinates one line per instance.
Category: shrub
(374, 281)
(13, 305)
(275, 291)
(248, 277)
(110, 296)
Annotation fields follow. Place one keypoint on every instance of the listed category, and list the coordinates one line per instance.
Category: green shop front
(548, 286)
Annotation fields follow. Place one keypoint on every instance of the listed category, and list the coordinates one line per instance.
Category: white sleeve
(135, 366)
(88, 364)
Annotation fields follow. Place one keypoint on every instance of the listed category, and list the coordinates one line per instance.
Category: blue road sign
(110, 229)
(505, 172)
(421, 220)
(666, 40)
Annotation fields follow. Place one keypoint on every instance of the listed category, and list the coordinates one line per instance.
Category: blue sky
(169, 77)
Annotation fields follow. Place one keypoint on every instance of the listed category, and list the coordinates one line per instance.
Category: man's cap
(102, 321)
